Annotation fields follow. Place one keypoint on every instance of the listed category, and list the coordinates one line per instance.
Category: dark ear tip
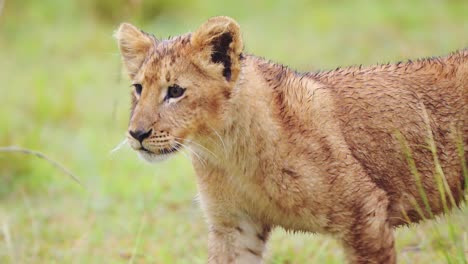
(221, 35)
(218, 27)
(221, 52)
(227, 73)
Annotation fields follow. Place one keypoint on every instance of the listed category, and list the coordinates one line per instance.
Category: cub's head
(180, 86)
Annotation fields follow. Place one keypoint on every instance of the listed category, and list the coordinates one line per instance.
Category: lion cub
(352, 152)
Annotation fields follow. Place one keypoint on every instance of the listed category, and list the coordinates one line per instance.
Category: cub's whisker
(185, 154)
(221, 139)
(119, 146)
(194, 153)
(200, 145)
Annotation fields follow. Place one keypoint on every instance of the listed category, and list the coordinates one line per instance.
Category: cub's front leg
(243, 243)
(234, 237)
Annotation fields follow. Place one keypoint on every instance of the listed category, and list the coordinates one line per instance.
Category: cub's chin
(153, 157)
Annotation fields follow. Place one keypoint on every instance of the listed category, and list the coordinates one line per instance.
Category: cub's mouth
(164, 151)
(159, 154)
(154, 146)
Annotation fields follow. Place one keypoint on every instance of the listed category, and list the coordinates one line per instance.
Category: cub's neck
(249, 132)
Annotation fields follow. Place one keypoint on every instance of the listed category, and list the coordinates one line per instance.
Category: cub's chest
(279, 198)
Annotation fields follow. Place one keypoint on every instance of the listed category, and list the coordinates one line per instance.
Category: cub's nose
(140, 135)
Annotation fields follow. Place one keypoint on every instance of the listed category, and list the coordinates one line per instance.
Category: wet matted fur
(352, 152)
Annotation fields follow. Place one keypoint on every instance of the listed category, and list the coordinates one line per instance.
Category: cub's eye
(175, 91)
(138, 88)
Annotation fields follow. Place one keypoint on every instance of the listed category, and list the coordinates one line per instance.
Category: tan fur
(324, 152)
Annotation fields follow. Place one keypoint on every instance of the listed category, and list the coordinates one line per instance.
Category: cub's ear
(218, 45)
(134, 46)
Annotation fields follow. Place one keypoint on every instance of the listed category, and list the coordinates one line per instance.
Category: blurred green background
(63, 93)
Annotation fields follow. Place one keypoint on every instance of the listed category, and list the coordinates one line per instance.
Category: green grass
(64, 94)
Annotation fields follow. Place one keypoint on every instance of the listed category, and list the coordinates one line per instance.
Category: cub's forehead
(171, 48)
(167, 56)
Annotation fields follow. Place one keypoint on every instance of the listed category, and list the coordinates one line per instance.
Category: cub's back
(376, 104)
